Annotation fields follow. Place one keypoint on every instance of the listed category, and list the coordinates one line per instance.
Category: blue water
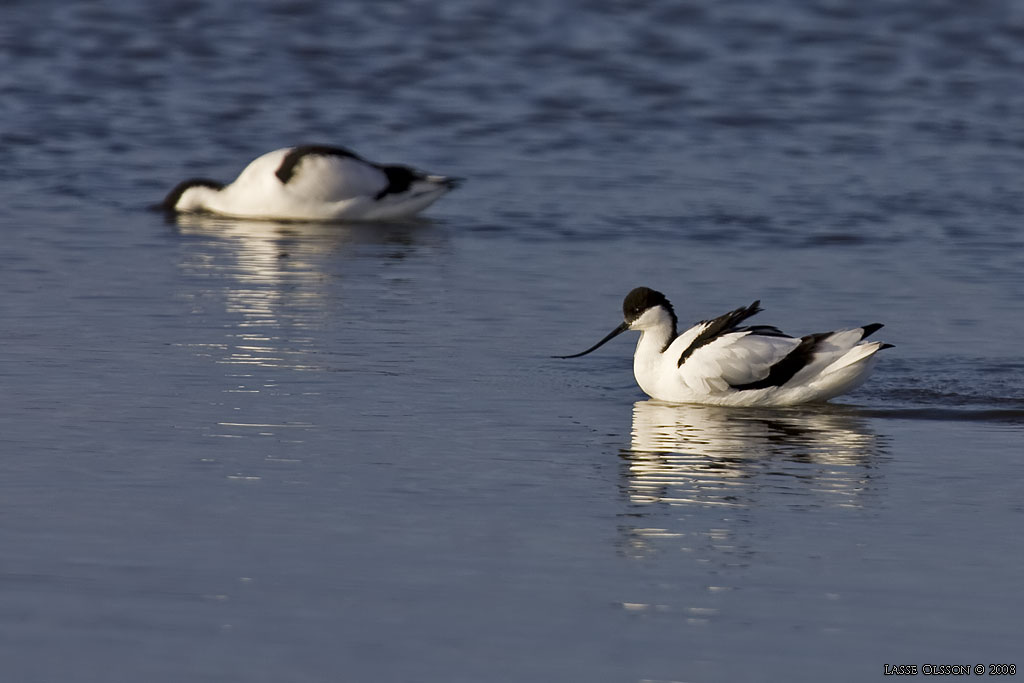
(247, 452)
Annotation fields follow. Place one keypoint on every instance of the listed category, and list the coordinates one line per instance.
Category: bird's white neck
(198, 198)
(657, 330)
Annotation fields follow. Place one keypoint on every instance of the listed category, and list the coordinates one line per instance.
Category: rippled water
(239, 451)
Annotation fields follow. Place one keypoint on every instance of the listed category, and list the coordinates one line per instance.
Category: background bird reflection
(275, 305)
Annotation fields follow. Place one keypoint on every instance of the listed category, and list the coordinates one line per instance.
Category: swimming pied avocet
(718, 362)
(313, 183)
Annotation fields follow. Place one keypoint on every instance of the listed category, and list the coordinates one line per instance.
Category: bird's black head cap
(642, 298)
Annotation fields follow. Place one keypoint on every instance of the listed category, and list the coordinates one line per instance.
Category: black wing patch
(797, 359)
(399, 180)
(291, 160)
(762, 330)
(791, 363)
(871, 329)
(724, 324)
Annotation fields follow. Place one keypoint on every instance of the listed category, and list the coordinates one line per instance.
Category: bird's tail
(857, 352)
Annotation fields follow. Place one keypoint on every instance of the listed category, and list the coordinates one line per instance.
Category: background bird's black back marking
(399, 179)
(286, 170)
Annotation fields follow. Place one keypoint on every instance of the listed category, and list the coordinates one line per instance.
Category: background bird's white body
(321, 184)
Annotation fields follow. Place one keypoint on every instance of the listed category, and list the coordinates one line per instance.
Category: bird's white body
(839, 364)
(314, 183)
(717, 362)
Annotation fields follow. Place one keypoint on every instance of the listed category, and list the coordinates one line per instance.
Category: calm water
(245, 452)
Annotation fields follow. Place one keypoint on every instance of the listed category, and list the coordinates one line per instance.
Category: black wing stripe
(399, 180)
(762, 330)
(871, 329)
(291, 160)
(723, 324)
(791, 363)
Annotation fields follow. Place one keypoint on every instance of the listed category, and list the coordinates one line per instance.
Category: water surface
(241, 451)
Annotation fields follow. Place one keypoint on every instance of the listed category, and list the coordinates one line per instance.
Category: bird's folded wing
(734, 359)
(333, 178)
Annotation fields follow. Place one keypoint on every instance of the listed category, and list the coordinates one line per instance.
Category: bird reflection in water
(270, 279)
(683, 454)
(272, 304)
(262, 282)
(693, 459)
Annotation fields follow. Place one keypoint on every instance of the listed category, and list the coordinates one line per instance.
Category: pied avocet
(313, 183)
(718, 362)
